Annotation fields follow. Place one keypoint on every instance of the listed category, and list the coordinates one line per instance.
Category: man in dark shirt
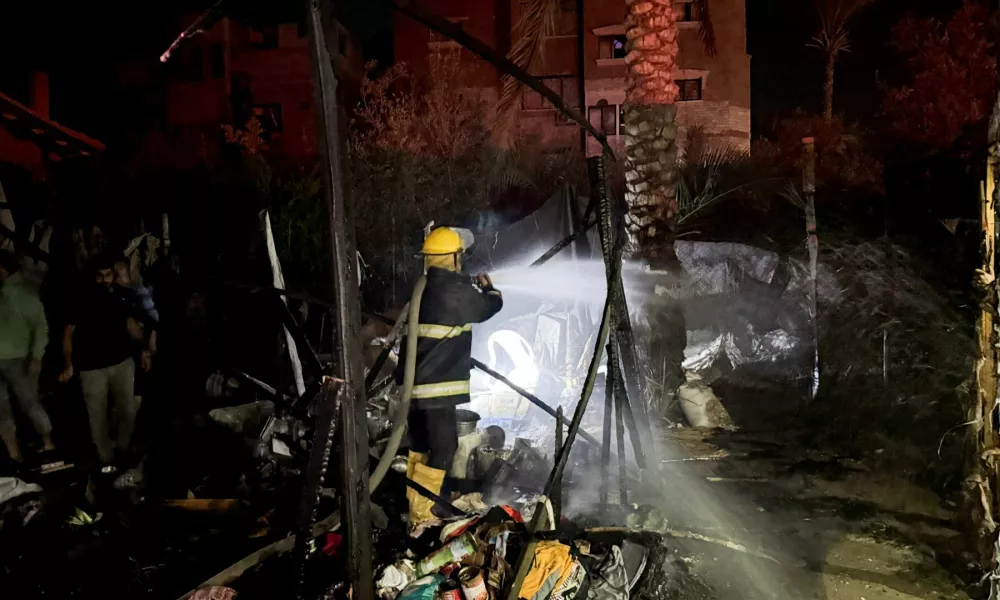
(99, 343)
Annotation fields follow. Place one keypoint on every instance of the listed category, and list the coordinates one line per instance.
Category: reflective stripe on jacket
(450, 305)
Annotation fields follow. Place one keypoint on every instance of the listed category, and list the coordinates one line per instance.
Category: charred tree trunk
(981, 481)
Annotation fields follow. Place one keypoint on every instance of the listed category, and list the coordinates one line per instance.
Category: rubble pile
(476, 557)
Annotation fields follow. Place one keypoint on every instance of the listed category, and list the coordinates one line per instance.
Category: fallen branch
(231, 574)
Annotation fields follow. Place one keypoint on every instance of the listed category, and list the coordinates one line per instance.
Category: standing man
(99, 342)
(451, 303)
(23, 337)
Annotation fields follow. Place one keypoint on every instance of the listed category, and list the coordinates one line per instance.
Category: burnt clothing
(101, 338)
(451, 303)
(434, 432)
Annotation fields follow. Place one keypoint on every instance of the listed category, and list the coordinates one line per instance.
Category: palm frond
(834, 15)
(536, 22)
(710, 175)
(706, 30)
(791, 192)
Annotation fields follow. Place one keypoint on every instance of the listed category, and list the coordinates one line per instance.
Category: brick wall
(234, 68)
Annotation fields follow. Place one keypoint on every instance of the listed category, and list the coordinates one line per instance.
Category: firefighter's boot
(420, 507)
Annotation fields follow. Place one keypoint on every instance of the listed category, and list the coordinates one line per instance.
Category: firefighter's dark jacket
(450, 305)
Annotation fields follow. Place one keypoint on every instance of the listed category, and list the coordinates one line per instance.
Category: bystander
(23, 337)
(99, 342)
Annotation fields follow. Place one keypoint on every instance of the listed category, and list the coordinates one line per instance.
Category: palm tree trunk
(651, 173)
(650, 130)
(831, 64)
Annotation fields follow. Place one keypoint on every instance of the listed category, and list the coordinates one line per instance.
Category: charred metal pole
(355, 504)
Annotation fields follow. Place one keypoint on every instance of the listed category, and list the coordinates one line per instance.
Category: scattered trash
(280, 448)
(700, 405)
(473, 584)
(456, 550)
(54, 467)
(471, 503)
(243, 418)
(82, 519)
(131, 479)
(333, 543)
(609, 581)
(12, 487)
(425, 588)
(395, 578)
(29, 510)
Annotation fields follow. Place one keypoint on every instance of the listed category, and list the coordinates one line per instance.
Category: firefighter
(450, 304)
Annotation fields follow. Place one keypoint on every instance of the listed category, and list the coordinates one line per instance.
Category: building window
(218, 61)
(602, 117)
(265, 37)
(611, 46)
(689, 89)
(564, 86)
(269, 117)
(685, 12)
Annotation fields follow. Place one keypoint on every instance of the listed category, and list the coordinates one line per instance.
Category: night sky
(83, 46)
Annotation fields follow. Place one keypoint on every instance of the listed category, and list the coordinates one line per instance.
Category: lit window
(688, 89)
(611, 46)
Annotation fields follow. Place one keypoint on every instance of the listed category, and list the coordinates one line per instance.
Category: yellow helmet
(443, 240)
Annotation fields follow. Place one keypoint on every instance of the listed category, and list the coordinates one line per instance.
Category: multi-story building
(714, 85)
(235, 71)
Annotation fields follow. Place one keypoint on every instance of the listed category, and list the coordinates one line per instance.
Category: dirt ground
(806, 523)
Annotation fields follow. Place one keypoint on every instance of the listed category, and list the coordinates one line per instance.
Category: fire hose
(409, 372)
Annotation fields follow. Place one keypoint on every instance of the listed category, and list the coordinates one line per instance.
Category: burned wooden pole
(615, 375)
(612, 250)
(557, 490)
(355, 501)
(609, 400)
(812, 243)
(319, 456)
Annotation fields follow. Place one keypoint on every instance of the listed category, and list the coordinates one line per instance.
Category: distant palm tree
(833, 39)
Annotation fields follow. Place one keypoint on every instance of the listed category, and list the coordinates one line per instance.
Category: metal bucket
(467, 421)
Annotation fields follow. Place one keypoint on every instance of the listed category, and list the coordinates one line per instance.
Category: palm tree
(833, 39)
(650, 130)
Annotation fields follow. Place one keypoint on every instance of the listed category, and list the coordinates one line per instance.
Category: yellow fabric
(430, 478)
(440, 332)
(550, 567)
(440, 390)
(443, 240)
